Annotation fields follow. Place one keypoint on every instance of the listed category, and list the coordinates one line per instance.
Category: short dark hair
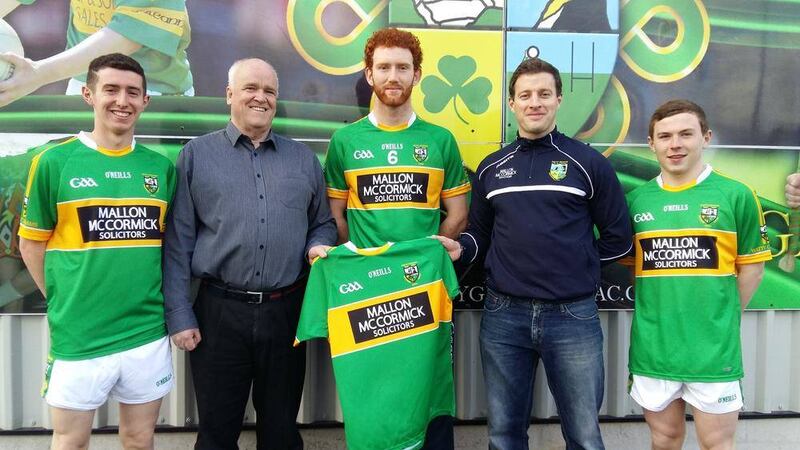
(114, 61)
(392, 37)
(533, 66)
(674, 107)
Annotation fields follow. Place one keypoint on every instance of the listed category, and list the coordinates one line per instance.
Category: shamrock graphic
(456, 72)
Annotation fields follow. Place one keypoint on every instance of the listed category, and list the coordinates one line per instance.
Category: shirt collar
(703, 175)
(402, 126)
(86, 139)
(545, 141)
(233, 134)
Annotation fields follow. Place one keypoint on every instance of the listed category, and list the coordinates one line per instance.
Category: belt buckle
(260, 297)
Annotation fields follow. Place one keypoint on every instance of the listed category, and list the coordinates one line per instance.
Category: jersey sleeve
(751, 230)
(39, 214)
(156, 24)
(629, 260)
(455, 177)
(314, 314)
(448, 273)
(445, 292)
(334, 170)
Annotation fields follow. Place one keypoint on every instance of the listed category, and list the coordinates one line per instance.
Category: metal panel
(770, 343)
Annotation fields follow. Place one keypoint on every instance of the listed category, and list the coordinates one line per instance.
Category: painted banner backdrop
(739, 59)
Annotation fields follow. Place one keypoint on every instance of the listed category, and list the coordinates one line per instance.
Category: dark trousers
(439, 434)
(246, 345)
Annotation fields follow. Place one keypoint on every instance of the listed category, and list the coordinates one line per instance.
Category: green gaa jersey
(387, 314)
(160, 26)
(688, 242)
(393, 178)
(102, 216)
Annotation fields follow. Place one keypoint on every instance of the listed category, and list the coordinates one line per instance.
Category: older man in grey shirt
(250, 211)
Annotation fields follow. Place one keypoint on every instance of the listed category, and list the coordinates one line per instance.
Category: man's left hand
(318, 251)
(452, 247)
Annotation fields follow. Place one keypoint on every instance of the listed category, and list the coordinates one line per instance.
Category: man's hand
(793, 190)
(187, 339)
(318, 251)
(24, 80)
(453, 247)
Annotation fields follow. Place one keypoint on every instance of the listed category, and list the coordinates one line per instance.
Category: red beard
(392, 100)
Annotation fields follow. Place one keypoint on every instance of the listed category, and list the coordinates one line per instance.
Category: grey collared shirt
(244, 216)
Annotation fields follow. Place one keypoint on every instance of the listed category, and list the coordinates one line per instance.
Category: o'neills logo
(111, 223)
(393, 187)
(391, 317)
(684, 252)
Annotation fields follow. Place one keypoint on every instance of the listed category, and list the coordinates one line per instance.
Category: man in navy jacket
(535, 205)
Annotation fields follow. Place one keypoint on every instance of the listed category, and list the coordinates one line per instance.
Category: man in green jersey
(391, 171)
(155, 33)
(700, 246)
(90, 234)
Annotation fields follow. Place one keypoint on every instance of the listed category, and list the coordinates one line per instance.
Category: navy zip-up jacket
(534, 206)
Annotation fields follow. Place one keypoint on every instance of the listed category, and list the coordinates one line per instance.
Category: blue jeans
(515, 334)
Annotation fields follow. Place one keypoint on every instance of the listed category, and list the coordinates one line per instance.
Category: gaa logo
(363, 154)
(76, 183)
(347, 288)
(643, 217)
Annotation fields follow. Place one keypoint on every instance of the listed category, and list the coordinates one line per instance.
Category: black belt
(253, 297)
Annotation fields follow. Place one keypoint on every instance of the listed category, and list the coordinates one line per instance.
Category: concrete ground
(763, 434)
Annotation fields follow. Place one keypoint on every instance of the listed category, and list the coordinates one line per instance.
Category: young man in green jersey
(154, 32)
(700, 246)
(90, 234)
(390, 172)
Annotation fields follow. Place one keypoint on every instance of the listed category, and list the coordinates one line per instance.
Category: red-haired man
(388, 175)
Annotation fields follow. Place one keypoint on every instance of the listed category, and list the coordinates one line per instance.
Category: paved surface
(763, 434)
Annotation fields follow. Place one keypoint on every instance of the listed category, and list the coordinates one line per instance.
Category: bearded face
(392, 75)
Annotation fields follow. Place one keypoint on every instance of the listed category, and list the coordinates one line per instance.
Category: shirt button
(261, 247)
(258, 273)
(258, 175)
(262, 220)
(261, 197)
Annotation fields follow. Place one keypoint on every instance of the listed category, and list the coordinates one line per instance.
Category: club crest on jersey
(151, 183)
(411, 272)
(764, 235)
(709, 213)
(420, 152)
(558, 170)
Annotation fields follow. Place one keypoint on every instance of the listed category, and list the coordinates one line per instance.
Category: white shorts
(134, 376)
(713, 398)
